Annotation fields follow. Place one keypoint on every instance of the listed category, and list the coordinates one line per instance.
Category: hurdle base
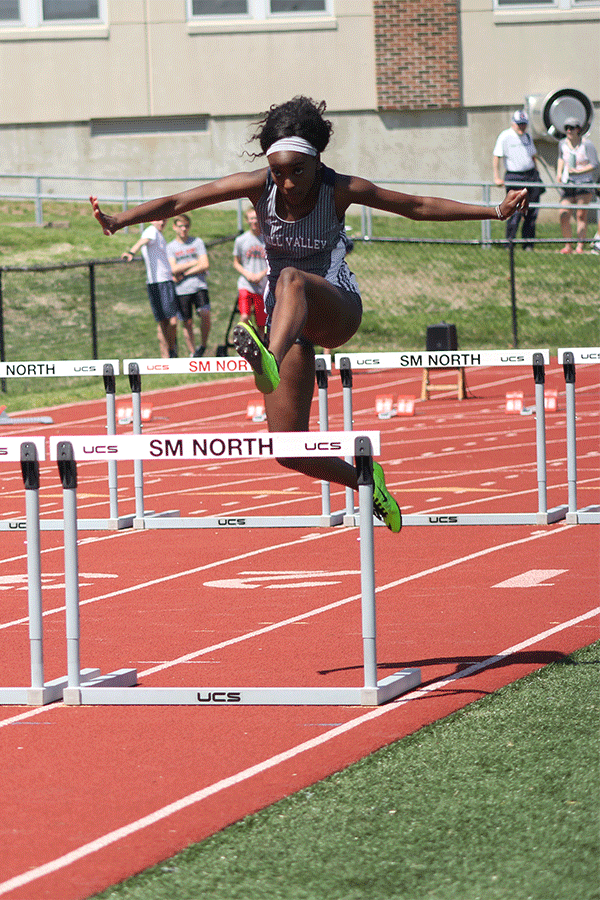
(553, 515)
(140, 522)
(443, 518)
(99, 693)
(72, 696)
(589, 515)
(239, 520)
(50, 692)
(116, 524)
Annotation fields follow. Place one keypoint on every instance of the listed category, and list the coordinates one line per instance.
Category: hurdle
(219, 446)
(451, 360)
(569, 359)
(63, 368)
(29, 452)
(220, 365)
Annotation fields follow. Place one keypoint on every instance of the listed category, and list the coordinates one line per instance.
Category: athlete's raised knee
(289, 277)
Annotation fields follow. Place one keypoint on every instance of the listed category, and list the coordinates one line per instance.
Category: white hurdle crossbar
(108, 368)
(221, 366)
(29, 451)
(452, 359)
(569, 359)
(119, 687)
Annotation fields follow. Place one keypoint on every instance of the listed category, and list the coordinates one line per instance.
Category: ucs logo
(443, 520)
(219, 697)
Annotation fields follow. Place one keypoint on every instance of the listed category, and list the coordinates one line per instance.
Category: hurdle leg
(589, 514)
(40, 692)
(115, 521)
(322, 382)
(544, 516)
(321, 374)
(75, 677)
(346, 377)
(141, 514)
(569, 372)
(374, 692)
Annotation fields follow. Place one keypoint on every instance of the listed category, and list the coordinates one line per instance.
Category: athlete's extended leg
(288, 409)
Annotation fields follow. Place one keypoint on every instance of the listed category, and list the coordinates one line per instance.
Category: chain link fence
(497, 296)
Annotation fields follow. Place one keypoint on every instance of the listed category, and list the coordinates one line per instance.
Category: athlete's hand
(514, 200)
(108, 223)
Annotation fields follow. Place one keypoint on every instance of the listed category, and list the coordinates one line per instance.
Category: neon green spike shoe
(384, 505)
(251, 348)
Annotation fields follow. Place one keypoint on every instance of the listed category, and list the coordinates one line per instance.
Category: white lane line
(182, 574)
(217, 787)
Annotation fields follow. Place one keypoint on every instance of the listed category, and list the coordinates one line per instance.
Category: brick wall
(417, 54)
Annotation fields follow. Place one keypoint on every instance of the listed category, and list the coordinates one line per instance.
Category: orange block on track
(514, 402)
(550, 400)
(384, 406)
(256, 411)
(405, 406)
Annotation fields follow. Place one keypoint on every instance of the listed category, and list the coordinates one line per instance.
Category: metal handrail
(127, 198)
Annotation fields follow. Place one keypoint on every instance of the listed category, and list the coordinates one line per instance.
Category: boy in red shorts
(250, 261)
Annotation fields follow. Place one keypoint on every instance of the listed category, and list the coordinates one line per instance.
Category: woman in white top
(577, 164)
(313, 297)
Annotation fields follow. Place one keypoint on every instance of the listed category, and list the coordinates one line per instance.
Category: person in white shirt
(159, 282)
(577, 165)
(189, 263)
(516, 148)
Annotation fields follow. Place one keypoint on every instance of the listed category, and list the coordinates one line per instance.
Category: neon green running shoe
(384, 505)
(251, 348)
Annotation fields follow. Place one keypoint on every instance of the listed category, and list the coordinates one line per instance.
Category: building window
(34, 13)
(69, 10)
(545, 4)
(292, 6)
(219, 7)
(9, 11)
(256, 9)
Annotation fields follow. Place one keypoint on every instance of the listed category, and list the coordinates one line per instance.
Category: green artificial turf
(500, 801)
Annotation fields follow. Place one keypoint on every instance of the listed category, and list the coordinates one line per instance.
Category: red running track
(95, 794)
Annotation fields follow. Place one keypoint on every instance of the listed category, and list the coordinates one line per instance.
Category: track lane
(437, 606)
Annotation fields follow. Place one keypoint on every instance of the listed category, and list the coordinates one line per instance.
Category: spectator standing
(159, 282)
(189, 264)
(250, 260)
(516, 148)
(576, 169)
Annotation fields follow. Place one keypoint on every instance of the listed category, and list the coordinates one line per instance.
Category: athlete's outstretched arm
(231, 187)
(351, 189)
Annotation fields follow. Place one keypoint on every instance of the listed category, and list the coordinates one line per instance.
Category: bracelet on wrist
(499, 214)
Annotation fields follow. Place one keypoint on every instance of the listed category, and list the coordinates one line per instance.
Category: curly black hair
(299, 117)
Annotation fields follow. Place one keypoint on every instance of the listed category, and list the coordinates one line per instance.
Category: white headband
(297, 144)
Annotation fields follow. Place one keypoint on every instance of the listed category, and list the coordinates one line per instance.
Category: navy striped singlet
(317, 243)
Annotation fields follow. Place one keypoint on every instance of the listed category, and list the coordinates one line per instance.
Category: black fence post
(93, 321)
(513, 293)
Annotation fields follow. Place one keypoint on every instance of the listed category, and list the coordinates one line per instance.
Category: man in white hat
(516, 148)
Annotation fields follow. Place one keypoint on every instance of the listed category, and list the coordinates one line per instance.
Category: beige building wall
(66, 91)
